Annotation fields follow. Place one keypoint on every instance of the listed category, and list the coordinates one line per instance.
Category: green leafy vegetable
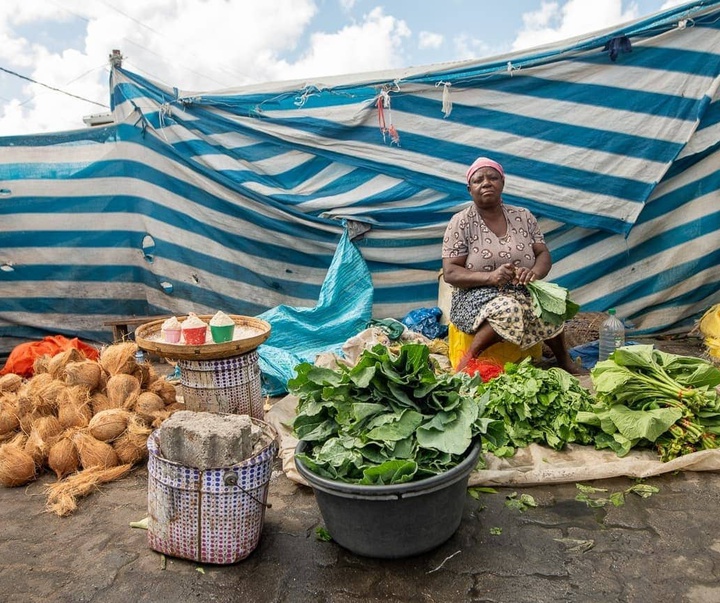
(534, 405)
(646, 397)
(520, 503)
(322, 534)
(551, 302)
(389, 419)
(617, 499)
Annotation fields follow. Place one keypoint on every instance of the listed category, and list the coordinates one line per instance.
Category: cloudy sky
(54, 53)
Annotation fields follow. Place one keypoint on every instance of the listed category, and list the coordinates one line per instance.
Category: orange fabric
(21, 359)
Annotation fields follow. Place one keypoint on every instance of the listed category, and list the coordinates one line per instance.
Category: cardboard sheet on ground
(533, 465)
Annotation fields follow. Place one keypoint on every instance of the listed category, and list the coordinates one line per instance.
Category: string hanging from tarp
(386, 127)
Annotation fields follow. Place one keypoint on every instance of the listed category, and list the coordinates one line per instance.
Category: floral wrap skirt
(509, 311)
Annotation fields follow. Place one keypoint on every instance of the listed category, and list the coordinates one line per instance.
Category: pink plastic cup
(195, 336)
(171, 335)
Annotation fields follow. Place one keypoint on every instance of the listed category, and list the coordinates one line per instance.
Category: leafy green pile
(551, 302)
(535, 406)
(389, 419)
(646, 397)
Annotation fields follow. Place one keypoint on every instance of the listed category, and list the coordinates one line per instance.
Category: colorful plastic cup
(195, 336)
(171, 335)
(223, 333)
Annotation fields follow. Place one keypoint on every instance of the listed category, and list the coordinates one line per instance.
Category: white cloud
(373, 44)
(468, 47)
(209, 45)
(428, 39)
(554, 21)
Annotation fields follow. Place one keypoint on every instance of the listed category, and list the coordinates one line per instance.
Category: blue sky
(201, 45)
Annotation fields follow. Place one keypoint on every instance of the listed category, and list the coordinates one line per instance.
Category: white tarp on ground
(234, 199)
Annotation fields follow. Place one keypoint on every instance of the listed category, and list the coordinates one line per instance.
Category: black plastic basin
(393, 521)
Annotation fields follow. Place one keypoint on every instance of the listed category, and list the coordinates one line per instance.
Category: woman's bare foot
(463, 362)
(574, 368)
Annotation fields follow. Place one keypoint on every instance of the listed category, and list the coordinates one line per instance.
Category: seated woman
(490, 251)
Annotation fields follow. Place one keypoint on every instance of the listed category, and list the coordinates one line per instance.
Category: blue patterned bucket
(211, 515)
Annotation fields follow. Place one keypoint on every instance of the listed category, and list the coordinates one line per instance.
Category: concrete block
(206, 440)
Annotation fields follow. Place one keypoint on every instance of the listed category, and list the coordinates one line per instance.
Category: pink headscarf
(482, 162)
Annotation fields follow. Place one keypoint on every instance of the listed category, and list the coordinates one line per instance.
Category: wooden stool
(121, 326)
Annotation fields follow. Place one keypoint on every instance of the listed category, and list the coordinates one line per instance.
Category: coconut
(176, 406)
(94, 453)
(147, 404)
(10, 382)
(36, 384)
(40, 365)
(45, 398)
(166, 390)
(99, 402)
(27, 420)
(131, 446)
(24, 403)
(63, 457)
(57, 364)
(37, 448)
(74, 407)
(17, 467)
(159, 417)
(142, 374)
(123, 390)
(86, 372)
(8, 415)
(107, 425)
(119, 358)
(48, 428)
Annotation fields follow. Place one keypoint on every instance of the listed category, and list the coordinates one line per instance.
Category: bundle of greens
(535, 405)
(388, 419)
(551, 302)
(649, 398)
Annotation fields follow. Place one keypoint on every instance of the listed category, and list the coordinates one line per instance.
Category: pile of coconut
(85, 420)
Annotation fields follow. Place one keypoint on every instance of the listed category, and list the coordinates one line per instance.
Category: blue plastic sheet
(427, 322)
(300, 334)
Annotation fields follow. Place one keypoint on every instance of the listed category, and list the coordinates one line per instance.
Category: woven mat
(584, 327)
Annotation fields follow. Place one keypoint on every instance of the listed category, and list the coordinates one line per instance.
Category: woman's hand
(523, 276)
(504, 275)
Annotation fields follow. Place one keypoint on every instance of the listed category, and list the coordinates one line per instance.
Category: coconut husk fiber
(62, 496)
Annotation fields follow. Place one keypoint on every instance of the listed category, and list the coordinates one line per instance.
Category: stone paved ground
(663, 548)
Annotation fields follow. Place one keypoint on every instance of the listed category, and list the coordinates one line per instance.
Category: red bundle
(488, 369)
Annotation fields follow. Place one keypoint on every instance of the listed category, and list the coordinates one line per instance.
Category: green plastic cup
(222, 334)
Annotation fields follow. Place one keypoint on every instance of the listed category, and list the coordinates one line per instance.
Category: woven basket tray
(249, 334)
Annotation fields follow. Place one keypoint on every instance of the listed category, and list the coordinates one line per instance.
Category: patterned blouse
(467, 235)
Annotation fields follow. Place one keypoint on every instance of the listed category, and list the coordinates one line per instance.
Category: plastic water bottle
(139, 356)
(612, 335)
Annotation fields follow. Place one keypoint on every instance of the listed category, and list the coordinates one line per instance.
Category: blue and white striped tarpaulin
(237, 199)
